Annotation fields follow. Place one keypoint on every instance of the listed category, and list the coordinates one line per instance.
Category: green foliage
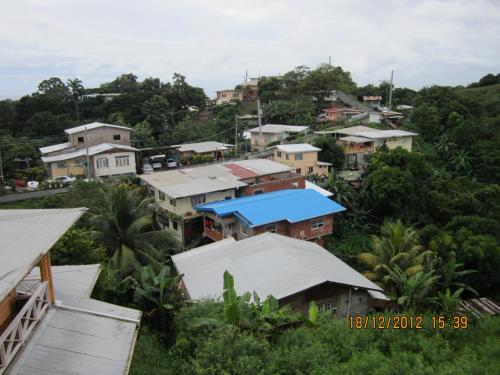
(77, 246)
(298, 112)
(199, 159)
(330, 152)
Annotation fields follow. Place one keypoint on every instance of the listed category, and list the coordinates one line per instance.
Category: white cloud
(213, 42)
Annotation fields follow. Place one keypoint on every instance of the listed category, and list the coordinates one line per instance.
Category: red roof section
(239, 171)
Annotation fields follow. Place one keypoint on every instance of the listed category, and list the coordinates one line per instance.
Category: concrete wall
(336, 294)
(101, 135)
(113, 169)
(183, 205)
(292, 182)
(266, 138)
(306, 166)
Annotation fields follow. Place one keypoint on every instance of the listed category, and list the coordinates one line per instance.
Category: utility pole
(390, 90)
(260, 120)
(330, 60)
(87, 153)
(236, 134)
(1, 168)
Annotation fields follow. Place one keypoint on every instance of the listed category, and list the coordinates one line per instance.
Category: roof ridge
(48, 211)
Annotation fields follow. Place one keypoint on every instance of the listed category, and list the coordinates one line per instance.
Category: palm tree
(76, 87)
(412, 291)
(397, 246)
(343, 193)
(125, 228)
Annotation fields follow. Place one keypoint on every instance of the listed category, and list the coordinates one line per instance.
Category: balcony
(18, 330)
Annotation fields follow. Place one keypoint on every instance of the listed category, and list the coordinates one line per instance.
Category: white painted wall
(113, 169)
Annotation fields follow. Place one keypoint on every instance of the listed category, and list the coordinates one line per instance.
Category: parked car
(171, 163)
(147, 168)
(32, 185)
(65, 180)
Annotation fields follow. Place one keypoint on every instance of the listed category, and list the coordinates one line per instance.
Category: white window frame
(122, 161)
(102, 163)
(198, 199)
(327, 306)
(317, 223)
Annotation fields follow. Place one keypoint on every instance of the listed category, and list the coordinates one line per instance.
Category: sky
(214, 42)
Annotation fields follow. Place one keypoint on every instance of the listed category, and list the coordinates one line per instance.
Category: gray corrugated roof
(202, 147)
(26, 235)
(93, 150)
(297, 147)
(269, 264)
(94, 125)
(54, 148)
(278, 128)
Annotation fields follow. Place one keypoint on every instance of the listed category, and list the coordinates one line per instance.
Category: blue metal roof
(292, 205)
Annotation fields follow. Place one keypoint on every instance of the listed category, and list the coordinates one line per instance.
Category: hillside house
(261, 137)
(341, 113)
(48, 322)
(360, 141)
(178, 191)
(299, 213)
(302, 158)
(372, 100)
(108, 148)
(216, 150)
(227, 96)
(293, 271)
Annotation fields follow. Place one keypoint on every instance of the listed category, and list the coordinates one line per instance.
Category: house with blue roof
(298, 213)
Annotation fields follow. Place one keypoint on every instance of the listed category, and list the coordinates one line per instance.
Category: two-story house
(360, 141)
(107, 148)
(178, 191)
(299, 213)
(49, 324)
(227, 96)
(262, 136)
(302, 158)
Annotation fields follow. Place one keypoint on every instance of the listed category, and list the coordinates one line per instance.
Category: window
(102, 163)
(117, 137)
(173, 202)
(404, 139)
(271, 228)
(244, 229)
(287, 157)
(226, 198)
(258, 191)
(310, 170)
(298, 156)
(278, 154)
(81, 140)
(327, 307)
(80, 163)
(298, 171)
(161, 195)
(197, 199)
(174, 225)
(122, 161)
(61, 164)
(317, 223)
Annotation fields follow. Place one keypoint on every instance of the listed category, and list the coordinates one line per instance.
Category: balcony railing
(19, 329)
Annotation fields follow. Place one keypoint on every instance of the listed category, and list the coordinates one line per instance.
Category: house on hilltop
(107, 147)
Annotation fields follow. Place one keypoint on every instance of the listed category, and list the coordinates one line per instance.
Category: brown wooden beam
(46, 275)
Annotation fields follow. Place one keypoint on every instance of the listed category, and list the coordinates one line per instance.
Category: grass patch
(151, 355)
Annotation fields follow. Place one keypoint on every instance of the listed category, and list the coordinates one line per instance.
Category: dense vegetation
(425, 225)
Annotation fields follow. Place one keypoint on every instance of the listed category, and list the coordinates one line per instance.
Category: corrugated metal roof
(269, 264)
(366, 132)
(93, 150)
(354, 139)
(480, 307)
(205, 179)
(94, 125)
(54, 148)
(290, 205)
(202, 147)
(298, 147)
(25, 236)
(319, 189)
(278, 128)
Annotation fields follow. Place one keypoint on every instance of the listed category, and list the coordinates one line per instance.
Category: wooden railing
(19, 329)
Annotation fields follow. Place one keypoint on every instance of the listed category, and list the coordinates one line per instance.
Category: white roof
(299, 147)
(354, 139)
(27, 235)
(54, 148)
(94, 125)
(269, 264)
(319, 189)
(202, 147)
(93, 150)
(277, 128)
(206, 179)
(366, 132)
